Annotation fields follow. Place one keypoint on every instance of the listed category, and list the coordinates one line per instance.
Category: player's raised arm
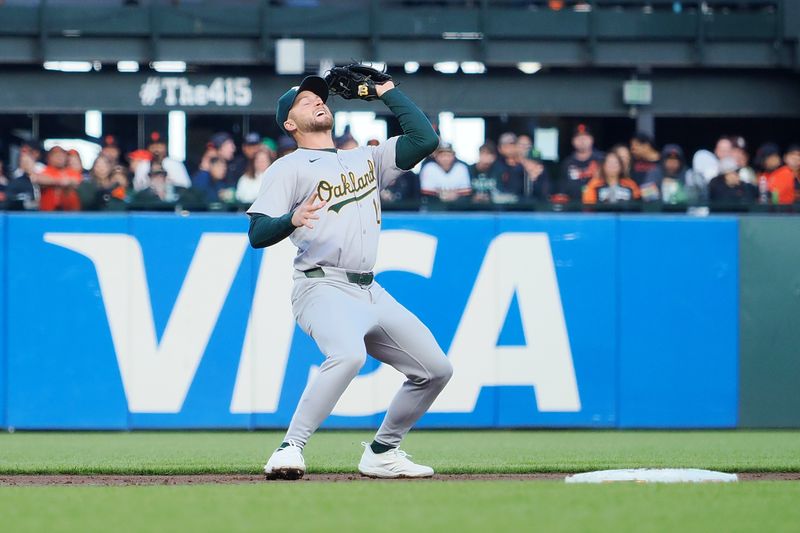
(419, 139)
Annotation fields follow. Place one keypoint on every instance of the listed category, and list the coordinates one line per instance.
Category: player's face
(310, 114)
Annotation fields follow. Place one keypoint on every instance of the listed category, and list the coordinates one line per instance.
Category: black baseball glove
(355, 81)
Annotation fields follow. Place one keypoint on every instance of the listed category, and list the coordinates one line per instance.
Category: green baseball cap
(315, 84)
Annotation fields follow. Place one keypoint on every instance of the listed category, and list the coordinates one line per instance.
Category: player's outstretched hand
(306, 213)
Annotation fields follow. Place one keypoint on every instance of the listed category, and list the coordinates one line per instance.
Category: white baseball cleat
(394, 463)
(286, 463)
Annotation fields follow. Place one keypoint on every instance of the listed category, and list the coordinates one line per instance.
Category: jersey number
(377, 207)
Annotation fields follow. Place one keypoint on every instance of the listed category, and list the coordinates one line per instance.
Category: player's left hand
(357, 81)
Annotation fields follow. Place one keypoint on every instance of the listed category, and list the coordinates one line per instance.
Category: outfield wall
(770, 322)
(137, 321)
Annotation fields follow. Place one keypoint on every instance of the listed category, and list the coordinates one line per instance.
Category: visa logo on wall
(157, 373)
(142, 321)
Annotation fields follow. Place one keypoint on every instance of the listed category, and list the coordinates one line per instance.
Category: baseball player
(327, 201)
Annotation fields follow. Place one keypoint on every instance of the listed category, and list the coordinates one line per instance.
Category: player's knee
(351, 360)
(441, 372)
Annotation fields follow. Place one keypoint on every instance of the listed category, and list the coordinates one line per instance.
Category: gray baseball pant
(349, 321)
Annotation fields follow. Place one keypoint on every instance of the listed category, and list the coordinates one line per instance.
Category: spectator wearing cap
(226, 149)
(249, 184)
(482, 174)
(286, 145)
(537, 179)
(138, 159)
(668, 182)
(767, 161)
(110, 150)
(644, 156)
(271, 146)
(768, 158)
(251, 145)
(508, 168)
(784, 182)
(581, 165)
(445, 178)
(611, 185)
(58, 183)
(727, 189)
(158, 191)
(177, 176)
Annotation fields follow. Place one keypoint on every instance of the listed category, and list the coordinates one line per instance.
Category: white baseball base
(654, 475)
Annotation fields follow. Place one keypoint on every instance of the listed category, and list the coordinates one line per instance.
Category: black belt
(359, 278)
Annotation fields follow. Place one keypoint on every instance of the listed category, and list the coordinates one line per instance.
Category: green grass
(447, 452)
(404, 507)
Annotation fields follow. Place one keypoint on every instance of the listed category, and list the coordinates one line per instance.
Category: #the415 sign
(177, 91)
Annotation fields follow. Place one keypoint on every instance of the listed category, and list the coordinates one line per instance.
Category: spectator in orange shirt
(58, 183)
(75, 163)
(784, 183)
(611, 185)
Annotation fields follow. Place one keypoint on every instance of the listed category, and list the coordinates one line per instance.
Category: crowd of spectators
(55, 180)
(626, 175)
(508, 172)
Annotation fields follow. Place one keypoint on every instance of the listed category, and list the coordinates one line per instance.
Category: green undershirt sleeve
(266, 231)
(419, 139)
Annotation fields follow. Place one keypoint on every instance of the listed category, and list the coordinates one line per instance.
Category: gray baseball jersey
(349, 320)
(346, 235)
